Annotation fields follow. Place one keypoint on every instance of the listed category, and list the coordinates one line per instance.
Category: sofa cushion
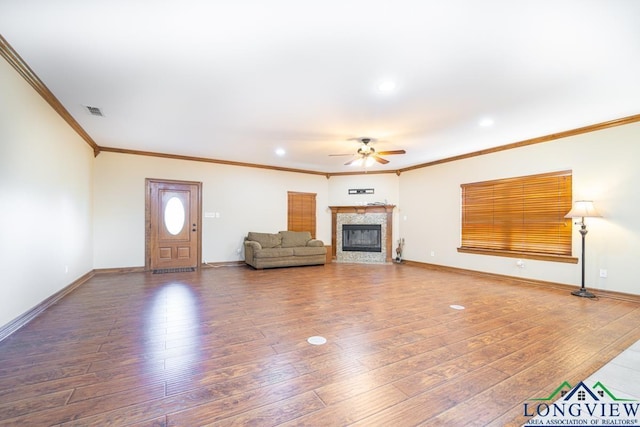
(266, 240)
(291, 239)
(309, 250)
(274, 253)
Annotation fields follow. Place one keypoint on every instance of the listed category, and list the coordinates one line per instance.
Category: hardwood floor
(228, 346)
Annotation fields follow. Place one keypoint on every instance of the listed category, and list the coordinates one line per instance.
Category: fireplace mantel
(363, 210)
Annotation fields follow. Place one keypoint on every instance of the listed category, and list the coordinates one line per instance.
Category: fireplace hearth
(362, 237)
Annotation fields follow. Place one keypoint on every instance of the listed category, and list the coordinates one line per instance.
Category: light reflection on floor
(172, 331)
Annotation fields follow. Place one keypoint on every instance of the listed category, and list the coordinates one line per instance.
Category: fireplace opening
(362, 237)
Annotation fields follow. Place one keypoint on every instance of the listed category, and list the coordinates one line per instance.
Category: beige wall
(45, 199)
(386, 189)
(605, 169)
(247, 199)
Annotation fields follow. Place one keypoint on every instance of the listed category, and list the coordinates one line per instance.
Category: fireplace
(369, 216)
(362, 237)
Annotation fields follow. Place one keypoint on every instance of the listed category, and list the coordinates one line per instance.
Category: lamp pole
(582, 209)
(583, 292)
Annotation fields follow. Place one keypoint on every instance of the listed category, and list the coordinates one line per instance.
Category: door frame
(147, 218)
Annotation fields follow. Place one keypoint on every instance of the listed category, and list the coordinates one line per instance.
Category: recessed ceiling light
(486, 122)
(280, 152)
(387, 86)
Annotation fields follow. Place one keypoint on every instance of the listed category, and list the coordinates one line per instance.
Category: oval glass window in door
(174, 216)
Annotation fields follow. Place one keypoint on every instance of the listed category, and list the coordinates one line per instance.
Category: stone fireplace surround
(365, 214)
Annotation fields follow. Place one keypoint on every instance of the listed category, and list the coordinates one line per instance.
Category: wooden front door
(172, 225)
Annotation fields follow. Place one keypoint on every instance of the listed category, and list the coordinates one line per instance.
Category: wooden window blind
(301, 212)
(518, 216)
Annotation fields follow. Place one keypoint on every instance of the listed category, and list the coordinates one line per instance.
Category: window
(174, 216)
(301, 213)
(519, 217)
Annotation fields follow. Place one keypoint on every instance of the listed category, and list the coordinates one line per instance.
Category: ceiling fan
(366, 152)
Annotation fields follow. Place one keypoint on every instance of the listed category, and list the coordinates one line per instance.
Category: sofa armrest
(252, 244)
(250, 248)
(315, 242)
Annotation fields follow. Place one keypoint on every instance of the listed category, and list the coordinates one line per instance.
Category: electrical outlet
(433, 253)
(603, 273)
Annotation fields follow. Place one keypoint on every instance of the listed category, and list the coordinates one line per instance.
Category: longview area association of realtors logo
(582, 405)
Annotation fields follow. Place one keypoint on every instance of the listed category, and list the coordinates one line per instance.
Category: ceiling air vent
(94, 111)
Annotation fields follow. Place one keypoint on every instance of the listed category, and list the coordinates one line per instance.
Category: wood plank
(276, 413)
(229, 345)
(352, 409)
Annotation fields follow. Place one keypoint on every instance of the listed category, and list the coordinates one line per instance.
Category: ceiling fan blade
(380, 160)
(332, 155)
(386, 153)
(352, 160)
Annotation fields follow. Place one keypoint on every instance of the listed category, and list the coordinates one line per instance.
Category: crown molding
(27, 73)
(538, 140)
(208, 160)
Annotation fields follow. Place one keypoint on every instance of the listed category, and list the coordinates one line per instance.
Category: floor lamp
(582, 209)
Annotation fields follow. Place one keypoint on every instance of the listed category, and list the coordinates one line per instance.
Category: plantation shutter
(523, 214)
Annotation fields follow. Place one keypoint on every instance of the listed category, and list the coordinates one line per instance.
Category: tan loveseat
(283, 249)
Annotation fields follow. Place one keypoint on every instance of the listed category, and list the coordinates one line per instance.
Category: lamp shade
(581, 209)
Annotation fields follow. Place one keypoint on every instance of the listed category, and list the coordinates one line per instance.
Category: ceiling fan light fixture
(367, 156)
(364, 161)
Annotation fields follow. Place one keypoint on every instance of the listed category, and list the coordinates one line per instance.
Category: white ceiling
(235, 80)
